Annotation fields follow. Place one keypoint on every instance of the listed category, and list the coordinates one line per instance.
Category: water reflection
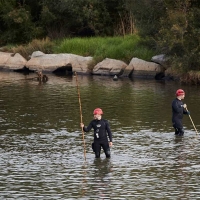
(184, 155)
(102, 178)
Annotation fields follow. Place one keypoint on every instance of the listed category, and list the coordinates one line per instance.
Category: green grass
(120, 48)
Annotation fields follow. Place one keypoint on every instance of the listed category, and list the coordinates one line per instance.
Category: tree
(17, 22)
(179, 34)
(146, 15)
(80, 18)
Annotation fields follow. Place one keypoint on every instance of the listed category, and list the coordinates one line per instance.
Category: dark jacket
(177, 113)
(101, 129)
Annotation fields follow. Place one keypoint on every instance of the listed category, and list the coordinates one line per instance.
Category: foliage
(179, 34)
(17, 24)
(80, 18)
(146, 15)
(191, 77)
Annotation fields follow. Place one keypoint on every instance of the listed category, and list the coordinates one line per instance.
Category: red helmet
(180, 92)
(98, 111)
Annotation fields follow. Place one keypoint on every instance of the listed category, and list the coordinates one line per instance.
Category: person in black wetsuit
(178, 109)
(101, 133)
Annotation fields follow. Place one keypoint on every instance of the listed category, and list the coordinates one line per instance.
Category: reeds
(191, 77)
(44, 45)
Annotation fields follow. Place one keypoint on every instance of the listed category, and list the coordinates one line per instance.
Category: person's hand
(82, 125)
(184, 106)
(110, 144)
(188, 112)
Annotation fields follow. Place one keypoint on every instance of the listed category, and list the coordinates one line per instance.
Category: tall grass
(44, 45)
(191, 77)
(120, 48)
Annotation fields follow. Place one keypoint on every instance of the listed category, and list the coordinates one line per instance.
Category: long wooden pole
(81, 116)
(192, 122)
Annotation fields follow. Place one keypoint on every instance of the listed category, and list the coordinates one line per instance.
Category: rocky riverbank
(70, 63)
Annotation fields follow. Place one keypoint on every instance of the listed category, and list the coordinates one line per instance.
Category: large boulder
(141, 68)
(109, 67)
(4, 57)
(51, 62)
(11, 61)
(161, 59)
(37, 54)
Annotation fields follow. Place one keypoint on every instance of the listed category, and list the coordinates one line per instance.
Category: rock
(15, 62)
(51, 62)
(37, 54)
(141, 68)
(115, 78)
(161, 59)
(109, 67)
(4, 57)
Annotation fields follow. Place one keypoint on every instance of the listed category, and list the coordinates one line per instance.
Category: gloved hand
(81, 125)
(188, 112)
(184, 106)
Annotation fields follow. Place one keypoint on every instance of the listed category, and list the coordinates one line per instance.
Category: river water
(41, 144)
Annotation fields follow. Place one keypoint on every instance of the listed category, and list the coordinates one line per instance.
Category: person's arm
(185, 111)
(109, 132)
(87, 128)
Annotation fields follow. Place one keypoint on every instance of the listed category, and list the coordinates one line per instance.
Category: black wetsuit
(177, 116)
(101, 129)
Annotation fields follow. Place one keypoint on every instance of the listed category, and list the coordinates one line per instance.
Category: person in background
(178, 109)
(101, 133)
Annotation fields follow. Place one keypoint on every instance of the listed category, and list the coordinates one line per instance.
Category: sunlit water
(41, 144)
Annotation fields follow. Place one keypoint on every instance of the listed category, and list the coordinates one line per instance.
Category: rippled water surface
(41, 145)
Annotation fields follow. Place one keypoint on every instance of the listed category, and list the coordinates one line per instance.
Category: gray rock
(109, 67)
(4, 57)
(161, 59)
(13, 61)
(51, 62)
(140, 68)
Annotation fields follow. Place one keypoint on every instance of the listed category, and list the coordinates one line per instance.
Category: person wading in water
(101, 133)
(178, 109)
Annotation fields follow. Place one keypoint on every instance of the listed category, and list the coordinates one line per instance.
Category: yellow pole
(192, 122)
(79, 98)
